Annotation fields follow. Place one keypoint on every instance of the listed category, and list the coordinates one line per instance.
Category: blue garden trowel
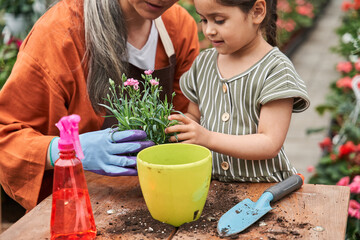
(246, 212)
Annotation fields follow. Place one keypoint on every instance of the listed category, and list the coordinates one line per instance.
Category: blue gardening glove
(105, 151)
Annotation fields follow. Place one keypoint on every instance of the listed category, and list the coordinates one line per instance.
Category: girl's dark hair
(269, 23)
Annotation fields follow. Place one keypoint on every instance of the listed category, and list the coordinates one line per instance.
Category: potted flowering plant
(137, 107)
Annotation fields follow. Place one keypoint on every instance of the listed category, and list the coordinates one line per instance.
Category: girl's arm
(266, 143)
(193, 112)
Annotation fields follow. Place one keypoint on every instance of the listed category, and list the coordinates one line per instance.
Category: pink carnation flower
(357, 179)
(355, 185)
(343, 181)
(149, 72)
(354, 188)
(154, 82)
(132, 82)
(354, 209)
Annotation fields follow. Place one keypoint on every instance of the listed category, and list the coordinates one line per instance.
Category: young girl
(242, 92)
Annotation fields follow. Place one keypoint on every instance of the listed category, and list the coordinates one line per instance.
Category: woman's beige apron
(166, 74)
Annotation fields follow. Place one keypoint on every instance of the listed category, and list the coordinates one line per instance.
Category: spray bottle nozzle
(69, 134)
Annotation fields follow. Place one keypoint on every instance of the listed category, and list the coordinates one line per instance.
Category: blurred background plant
(16, 19)
(8, 55)
(17, 7)
(340, 163)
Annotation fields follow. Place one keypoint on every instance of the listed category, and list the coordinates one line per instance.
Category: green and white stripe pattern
(273, 77)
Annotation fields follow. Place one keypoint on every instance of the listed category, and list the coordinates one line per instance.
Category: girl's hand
(188, 131)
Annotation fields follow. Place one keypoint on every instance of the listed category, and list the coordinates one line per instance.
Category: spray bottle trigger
(75, 119)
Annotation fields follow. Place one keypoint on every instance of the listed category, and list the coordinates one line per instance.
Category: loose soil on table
(222, 198)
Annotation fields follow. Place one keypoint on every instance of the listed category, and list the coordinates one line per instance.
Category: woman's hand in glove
(106, 151)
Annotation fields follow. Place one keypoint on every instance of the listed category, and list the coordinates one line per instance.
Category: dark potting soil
(221, 199)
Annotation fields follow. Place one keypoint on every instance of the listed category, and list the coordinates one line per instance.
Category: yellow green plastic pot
(175, 179)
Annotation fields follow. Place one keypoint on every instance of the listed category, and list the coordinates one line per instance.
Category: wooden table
(313, 212)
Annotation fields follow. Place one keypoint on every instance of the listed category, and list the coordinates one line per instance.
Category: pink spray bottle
(71, 214)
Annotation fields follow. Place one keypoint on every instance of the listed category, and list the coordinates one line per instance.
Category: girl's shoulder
(208, 51)
(278, 58)
(207, 54)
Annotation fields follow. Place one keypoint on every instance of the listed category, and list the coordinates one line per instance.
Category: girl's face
(147, 9)
(227, 27)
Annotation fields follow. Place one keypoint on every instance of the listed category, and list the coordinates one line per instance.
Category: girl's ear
(259, 11)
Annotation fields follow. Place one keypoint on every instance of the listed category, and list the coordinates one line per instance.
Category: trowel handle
(285, 187)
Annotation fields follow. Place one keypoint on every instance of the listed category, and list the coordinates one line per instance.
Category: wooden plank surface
(120, 213)
(312, 212)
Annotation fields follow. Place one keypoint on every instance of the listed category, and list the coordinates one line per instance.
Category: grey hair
(105, 44)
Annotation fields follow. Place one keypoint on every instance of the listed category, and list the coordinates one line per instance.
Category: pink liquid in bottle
(71, 216)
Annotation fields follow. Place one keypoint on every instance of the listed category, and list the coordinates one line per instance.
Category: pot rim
(177, 166)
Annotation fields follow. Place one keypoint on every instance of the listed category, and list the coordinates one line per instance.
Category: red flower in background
(344, 82)
(326, 144)
(344, 67)
(354, 206)
(18, 42)
(343, 181)
(284, 6)
(306, 10)
(347, 148)
(357, 65)
(355, 185)
(333, 157)
(354, 209)
(356, 5)
(310, 169)
(288, 25)
(346, 5)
